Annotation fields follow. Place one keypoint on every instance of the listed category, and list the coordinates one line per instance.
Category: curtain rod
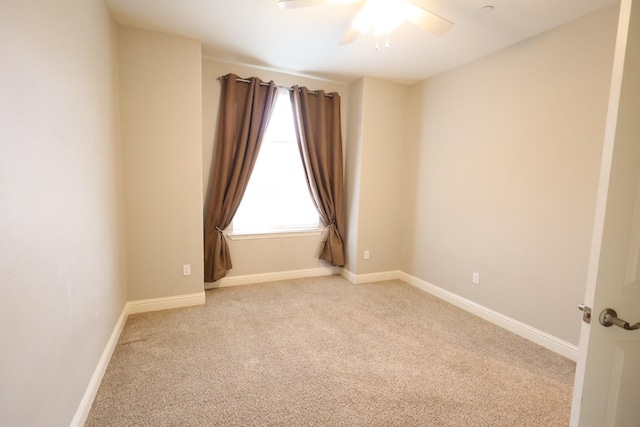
(328, 95)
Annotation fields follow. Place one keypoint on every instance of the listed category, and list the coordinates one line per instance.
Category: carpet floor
(325, 352)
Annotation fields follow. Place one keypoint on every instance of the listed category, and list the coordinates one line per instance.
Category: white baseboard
(131, 307)
(370, 277)
(155, 304)
(537, 336)
(348, 275)
(250, 279)
(94, 384)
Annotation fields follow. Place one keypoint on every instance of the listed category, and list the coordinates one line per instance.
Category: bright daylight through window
(277, 198)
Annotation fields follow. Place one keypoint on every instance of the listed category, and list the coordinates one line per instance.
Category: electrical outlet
(366, 254)
(186, 269)
(476, 278)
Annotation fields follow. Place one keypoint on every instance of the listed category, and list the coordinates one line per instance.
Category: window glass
(277, 198)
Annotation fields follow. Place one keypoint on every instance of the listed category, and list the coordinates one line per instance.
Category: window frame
(270, 233)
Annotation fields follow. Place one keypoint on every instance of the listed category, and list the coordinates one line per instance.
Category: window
(277, 198)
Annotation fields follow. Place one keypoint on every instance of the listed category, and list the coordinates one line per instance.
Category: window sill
(274, 234)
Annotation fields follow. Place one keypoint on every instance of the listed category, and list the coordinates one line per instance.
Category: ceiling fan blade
(294, 4)
(349, 37)
(426, 20)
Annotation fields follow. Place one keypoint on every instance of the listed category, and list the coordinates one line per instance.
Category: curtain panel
(318, 130)
(245, 108)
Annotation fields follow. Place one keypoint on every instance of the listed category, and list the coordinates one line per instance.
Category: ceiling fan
(380, 17)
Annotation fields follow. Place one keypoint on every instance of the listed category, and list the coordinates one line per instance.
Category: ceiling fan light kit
(381, 17)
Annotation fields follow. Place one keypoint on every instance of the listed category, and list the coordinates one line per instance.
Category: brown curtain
(317, 120)
(245, 108)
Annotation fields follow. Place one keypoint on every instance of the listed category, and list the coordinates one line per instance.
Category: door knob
(609, 317)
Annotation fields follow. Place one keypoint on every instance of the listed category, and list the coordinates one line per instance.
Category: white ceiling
(305, 41)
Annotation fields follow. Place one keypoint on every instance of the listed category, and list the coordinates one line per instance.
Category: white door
(607, 386)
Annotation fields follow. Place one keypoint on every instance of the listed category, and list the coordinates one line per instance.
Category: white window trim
(274, 234)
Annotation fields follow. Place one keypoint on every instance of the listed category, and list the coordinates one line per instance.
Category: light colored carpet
(325, 352)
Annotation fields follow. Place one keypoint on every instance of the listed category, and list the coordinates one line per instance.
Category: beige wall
(382, 188)
(160, 82)
(61, 229)
(352, 172)
(262, 255)
(508, 152)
